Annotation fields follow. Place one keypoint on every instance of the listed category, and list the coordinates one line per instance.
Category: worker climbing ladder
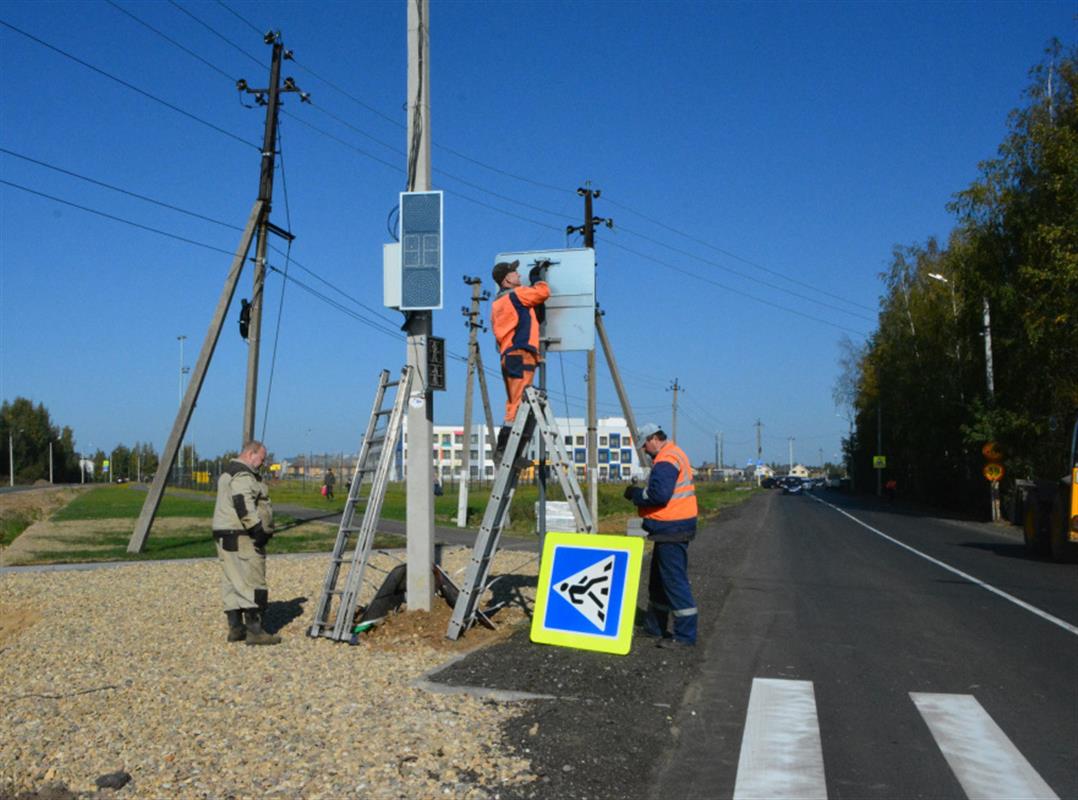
(376, 454)
(534, 414)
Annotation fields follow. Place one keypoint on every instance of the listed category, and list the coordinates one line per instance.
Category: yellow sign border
(618, 645)
(879, 462)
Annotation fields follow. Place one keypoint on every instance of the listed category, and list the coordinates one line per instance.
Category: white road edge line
(984, 760)
(781, 755)
(1021, 603)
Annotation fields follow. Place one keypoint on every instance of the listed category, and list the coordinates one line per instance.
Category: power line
(731, 289)
(240, 18)
(735, 256)
(216, 33)
(121, 190)
(116, 218)
(130, 86)
(169, 39)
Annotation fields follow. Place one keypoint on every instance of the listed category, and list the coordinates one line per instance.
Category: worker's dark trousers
(669, 592)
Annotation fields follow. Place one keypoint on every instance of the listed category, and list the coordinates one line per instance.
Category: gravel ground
(128, 669)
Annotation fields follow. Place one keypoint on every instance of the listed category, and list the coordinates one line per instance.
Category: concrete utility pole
(475, 364)
(990, 379)
(674, 387)
(419, 327)
(790, 441)
(50, 460)
(879, 445)
(179, 461)
(10, 459)
(759, 450)
(722, 454)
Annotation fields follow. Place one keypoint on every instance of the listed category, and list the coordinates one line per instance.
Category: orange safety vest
(682, 504)
(512, 316)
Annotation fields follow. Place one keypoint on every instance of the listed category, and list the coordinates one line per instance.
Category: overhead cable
(127, 192)
(127, 85)
(117, 219)
(216, 33)
(170, 40)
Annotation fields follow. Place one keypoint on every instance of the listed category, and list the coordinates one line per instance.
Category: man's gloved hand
(260, 535)
(629, 491)
(538, 272)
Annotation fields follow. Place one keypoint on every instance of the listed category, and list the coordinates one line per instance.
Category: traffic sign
(993, 471)
(992, 452)
(587, 591)
(879, 462)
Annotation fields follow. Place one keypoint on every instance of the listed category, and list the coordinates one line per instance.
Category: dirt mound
(406, 629)
(14, 620)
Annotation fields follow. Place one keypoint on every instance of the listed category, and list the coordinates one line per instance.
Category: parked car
(792, 485)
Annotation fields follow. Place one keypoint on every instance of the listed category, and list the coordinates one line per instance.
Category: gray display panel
(421, 250)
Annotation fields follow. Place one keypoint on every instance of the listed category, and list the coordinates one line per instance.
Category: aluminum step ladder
(333, 620)
(534, 414)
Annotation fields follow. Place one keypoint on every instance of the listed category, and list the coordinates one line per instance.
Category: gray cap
(648, 429)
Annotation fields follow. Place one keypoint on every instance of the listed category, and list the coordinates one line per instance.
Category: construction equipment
(534, 414)
(353, 545)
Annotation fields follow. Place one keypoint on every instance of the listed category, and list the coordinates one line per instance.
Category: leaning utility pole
(475, 365)
(419, 327)
(674, 387)
(257, 219)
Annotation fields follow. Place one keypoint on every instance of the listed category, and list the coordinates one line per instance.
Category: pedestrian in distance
(331, 481)
(242, 526)
(515, 321)
(668, 507)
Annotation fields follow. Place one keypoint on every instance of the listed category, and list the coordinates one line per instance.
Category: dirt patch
(15, 620)
(404, 630)
(38, 503)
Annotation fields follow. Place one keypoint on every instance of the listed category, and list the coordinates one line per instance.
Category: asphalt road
(834, 662)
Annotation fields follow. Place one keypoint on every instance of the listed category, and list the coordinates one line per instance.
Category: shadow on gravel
(279, 614)
(506, 590)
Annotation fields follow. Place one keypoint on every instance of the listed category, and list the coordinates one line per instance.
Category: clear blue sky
(795, 143)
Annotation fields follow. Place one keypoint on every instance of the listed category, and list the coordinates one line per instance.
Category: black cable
(735, 256)
(117, 219)
(417, 112)
(124, 83)
(745, 275)
(395, 334)
(170, 40)
(219, 35)
(732, 290)
(241, 19)
(127, 192)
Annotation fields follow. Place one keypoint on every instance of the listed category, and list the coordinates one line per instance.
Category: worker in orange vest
(516, 330)
(668, 507)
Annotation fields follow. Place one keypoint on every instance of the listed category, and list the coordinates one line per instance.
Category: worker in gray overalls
(242, 525)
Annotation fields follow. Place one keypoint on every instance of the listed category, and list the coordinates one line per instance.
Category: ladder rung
(391, 384)
(383, 412)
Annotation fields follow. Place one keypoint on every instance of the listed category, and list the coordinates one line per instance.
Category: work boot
(236, 631)
(255, 634)
(499, 447)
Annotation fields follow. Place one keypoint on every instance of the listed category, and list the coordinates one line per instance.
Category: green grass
(12, 524)
(125, 502)
(192, 542)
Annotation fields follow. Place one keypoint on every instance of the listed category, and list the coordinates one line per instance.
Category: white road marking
(1021, 603)
(781, 754)
(984, 760)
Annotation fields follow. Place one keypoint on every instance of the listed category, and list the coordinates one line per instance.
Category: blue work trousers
(669, 592)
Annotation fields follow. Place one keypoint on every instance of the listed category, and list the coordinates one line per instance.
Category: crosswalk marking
(780, 747)
(984, 760)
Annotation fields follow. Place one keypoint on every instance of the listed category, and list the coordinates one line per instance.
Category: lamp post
(179, 459)
(11, 457)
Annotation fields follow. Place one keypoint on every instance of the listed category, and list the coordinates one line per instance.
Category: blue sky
(760, 162)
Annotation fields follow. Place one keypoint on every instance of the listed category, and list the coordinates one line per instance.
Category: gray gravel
(128, 670)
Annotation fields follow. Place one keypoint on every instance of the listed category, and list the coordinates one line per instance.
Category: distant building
(799, 471)
(618, 459)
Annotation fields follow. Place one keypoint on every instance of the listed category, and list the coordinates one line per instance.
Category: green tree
(27, 431)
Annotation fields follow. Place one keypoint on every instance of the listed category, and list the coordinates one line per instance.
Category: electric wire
(116, 218)
(733, 290)
(169, 39)
(216, 33)
(127, 85)
(240, 18)
(744, 275)
(121, 190)
(729, 254)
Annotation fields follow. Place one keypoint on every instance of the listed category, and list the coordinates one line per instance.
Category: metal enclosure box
(570, 311)
(421, 250)
(391, 275)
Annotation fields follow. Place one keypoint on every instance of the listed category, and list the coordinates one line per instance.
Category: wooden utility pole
(419, 327)
(256, 221)
(475, 364)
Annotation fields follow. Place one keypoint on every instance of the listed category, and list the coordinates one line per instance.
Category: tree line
(922, 383)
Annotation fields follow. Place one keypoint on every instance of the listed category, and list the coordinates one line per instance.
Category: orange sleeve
(532, 296)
